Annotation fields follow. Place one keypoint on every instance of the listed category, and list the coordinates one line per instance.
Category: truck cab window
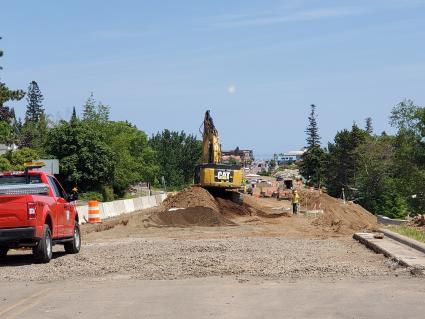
(54, 187)
(59, 188)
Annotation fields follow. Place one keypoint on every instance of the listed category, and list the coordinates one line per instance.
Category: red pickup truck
(36, 212)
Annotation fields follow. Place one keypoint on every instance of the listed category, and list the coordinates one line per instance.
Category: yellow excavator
(219, 178)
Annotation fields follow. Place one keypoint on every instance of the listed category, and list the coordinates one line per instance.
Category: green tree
(74, 117)
(95, 111)
(410, 153)
(369, 126)
(312, 131)
(392, 204)
(375, 173)
(342, 162)
(5, 132)
(18, 157)
(404, 115)
(313, 161)
(85, 158)
(34, 134)
(177, 154)
(134, 159)
(5, 164)
(35, 109)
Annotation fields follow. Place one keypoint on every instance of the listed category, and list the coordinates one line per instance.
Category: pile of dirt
(229, 208)
(338, 217)
(191, 197)
(192, 216)
(195, 206)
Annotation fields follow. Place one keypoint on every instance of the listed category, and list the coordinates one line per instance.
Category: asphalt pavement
(120, 297)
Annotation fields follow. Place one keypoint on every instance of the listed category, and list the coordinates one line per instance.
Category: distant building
(291, 156)
(246, 156)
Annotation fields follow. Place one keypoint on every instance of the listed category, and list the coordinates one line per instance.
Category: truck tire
(73, 247)
(43, 251)
(3, 252)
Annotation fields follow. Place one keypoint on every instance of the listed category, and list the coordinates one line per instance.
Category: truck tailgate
(13, 211)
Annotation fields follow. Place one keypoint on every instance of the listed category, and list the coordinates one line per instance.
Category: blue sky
(257, 65)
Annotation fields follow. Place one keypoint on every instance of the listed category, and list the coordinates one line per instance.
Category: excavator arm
(211, 148)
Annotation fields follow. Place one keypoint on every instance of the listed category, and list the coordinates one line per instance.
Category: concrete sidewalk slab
(404, 255)
(404, 240)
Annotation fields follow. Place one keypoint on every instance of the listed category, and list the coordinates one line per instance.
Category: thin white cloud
(117, 34)
(271, 19)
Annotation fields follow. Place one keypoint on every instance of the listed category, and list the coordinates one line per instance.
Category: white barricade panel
(108, 209)
(119, 207)
(129, 206)
(151, 201)
(137, 202)
(145, 202)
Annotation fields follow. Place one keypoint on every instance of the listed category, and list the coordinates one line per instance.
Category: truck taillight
(31, 213)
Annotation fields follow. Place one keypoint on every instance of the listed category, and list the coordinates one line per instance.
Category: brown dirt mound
(192, 216)
(338, 217)
(229, 208)
(191, 197)
(198, 207)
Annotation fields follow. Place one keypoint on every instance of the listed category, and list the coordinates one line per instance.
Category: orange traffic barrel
(94, 212)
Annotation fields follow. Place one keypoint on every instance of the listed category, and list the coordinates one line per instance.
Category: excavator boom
(211, 148)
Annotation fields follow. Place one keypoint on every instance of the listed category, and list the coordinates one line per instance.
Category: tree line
(383, 173)
(96, 154)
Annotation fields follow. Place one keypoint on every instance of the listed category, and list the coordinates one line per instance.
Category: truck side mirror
(72, 197)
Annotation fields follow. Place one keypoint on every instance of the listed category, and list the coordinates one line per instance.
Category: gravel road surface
(168, 258)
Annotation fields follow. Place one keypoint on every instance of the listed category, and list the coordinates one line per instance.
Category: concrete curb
(404, 240)
(377, 249)
(401, 253)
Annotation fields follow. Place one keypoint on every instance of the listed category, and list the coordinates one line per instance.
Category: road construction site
(192, 235)
(199, 256)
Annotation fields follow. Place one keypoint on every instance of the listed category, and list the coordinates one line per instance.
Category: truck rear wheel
(73, 247)
(3, 252)
(43, 251)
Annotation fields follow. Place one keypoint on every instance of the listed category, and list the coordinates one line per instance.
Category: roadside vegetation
(383, 173)
(410, 232)
(103, 158)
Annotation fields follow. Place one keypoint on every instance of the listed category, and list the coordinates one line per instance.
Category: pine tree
(74, 117)
(369, 126)
(313, 138)
(312, 167)
(35, 99)
(15, 127)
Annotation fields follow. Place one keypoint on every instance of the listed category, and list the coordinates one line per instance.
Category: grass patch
(410, 232)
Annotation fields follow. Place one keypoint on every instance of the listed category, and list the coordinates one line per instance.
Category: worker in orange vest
(295, 201)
